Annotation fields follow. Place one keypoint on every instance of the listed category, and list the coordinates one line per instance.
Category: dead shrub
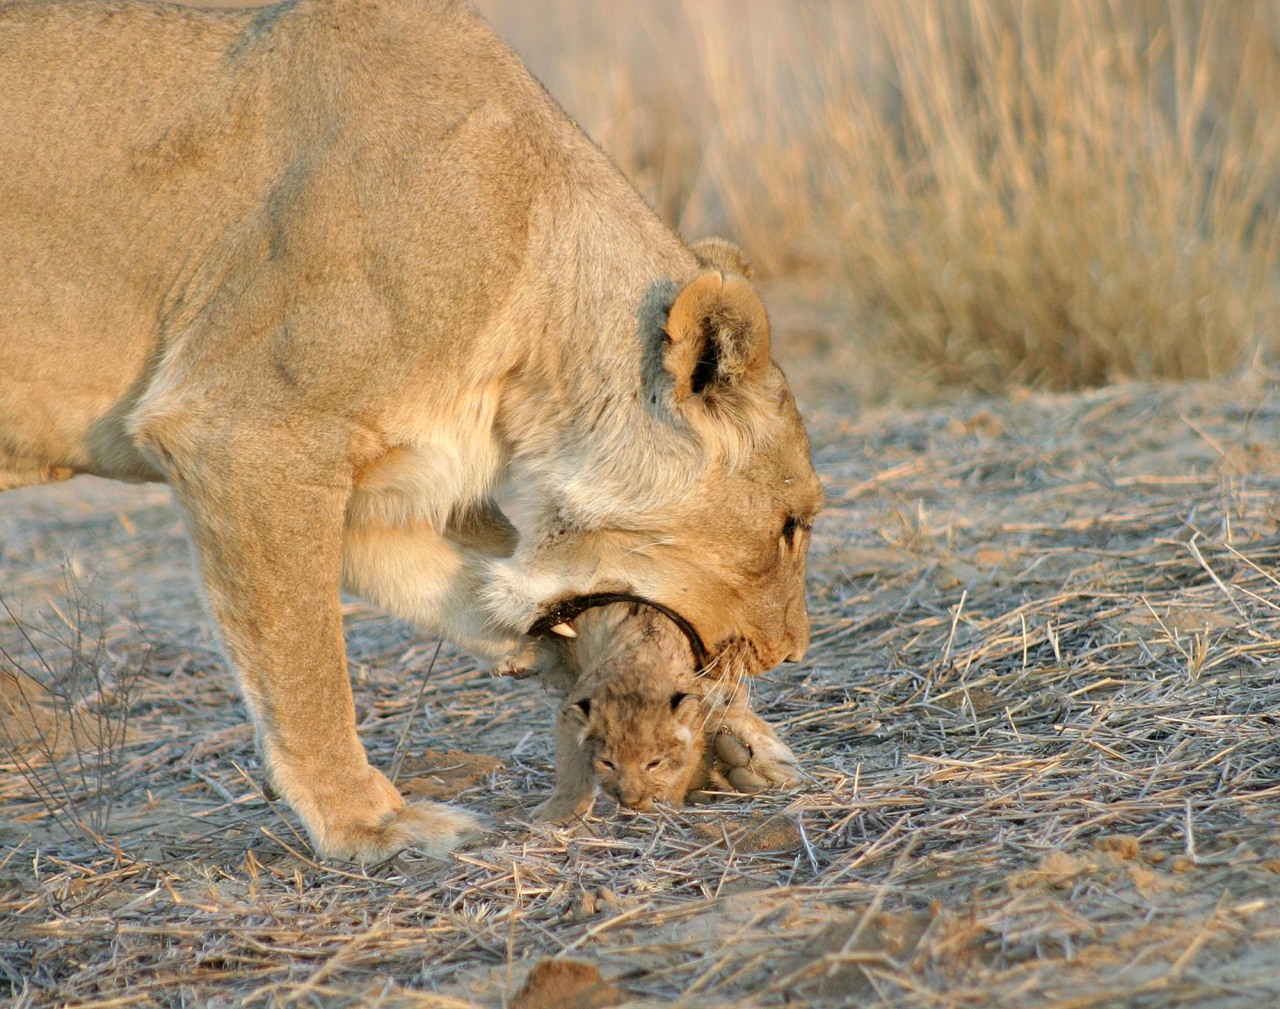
(1011, 193)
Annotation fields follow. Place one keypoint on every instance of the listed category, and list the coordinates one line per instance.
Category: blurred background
(951, 194)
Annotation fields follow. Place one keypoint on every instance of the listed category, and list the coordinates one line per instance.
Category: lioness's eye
(792, 526)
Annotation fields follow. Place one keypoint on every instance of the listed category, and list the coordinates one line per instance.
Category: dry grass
(1054, 194)
(1039, 714)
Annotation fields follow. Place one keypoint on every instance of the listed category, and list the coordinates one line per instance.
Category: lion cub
(637, 721)
(642, 743)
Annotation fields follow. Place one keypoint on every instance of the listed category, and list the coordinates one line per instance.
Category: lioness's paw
(429, 827)
(432, 828)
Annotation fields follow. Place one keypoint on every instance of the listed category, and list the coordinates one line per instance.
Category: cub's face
(644, 746)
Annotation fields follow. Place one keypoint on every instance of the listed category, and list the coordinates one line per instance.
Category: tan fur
(637, 720)
(721, 254)
(342, 274)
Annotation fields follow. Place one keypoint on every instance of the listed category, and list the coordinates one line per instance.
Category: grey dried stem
(66, 702)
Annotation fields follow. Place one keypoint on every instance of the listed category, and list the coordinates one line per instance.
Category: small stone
(1123, 846)
(607, 899)
(775, 834)
(567, 984)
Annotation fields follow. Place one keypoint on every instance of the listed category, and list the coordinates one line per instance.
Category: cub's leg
(575, 778)
(265, 509)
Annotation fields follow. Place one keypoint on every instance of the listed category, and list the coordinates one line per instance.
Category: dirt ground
(1039, 715)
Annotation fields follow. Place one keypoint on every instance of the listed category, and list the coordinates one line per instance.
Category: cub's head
(645, 746)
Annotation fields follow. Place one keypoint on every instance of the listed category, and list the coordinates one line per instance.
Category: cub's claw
(538, 658)
(522, 664)
(558, 810)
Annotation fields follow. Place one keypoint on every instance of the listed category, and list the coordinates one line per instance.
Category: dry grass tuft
(1059, 195)
(64, 708)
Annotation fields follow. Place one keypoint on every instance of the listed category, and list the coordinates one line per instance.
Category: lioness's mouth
(565, 611)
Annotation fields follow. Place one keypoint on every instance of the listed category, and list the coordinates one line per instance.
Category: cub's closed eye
(653, 765)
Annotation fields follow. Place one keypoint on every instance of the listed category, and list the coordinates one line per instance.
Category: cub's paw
(558, 809)
(521, 664)
(542, 659)
(750, 756)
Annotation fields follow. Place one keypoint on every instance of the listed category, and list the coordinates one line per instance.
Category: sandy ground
(1039, 715)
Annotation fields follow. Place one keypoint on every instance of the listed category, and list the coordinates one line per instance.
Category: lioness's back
(164, 167)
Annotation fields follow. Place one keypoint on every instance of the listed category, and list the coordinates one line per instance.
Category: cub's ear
(723, 255)
(580, 711)
(717, 336)
(685, 708)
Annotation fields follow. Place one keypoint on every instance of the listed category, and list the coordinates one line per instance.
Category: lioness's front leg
(266, 516)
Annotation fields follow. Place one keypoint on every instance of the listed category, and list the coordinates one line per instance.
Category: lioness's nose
(797, 637)
(795, 628)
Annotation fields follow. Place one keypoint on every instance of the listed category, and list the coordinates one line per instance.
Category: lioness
(342, 274)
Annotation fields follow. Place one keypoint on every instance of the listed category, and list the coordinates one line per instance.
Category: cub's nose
(637, 801)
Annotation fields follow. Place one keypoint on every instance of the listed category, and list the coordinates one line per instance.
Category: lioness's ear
(717, 336)
(581, 711)
(723, 255)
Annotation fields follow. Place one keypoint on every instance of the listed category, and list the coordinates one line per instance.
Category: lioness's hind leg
(267, 518)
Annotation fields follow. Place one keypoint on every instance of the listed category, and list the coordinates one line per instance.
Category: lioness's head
(732, 558)
(700, 495)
